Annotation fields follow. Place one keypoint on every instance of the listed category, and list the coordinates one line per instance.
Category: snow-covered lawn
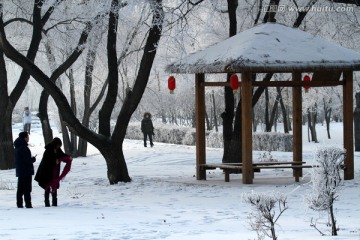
(165, 201)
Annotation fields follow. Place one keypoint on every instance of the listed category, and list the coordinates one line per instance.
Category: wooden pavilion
(273, 48)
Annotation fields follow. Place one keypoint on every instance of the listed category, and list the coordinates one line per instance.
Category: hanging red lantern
(234, 83)
(171, 84)
(307, 79)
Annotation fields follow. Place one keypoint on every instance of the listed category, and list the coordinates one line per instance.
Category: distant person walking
(27, 120)
(147, 128)
(24, 170)
(48, 174)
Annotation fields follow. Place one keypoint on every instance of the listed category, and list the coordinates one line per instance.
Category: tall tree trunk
(117, 169)
(228, 114)
(283, 111)
(6, 138)
(327, 116)
(90, 59)
(269, 121)
(8, 102)
(208, 124)
(73, 136)
(44, 118)
(312, 117)
(266, 115)
(44, 98)
(214, 108)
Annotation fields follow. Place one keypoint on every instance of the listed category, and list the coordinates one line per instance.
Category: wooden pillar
(246, 117)
(297, 125)
(348, 125)
(200, 126)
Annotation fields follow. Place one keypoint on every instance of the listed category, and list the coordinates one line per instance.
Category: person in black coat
(24, 170)
(147, 128)
(49, 169)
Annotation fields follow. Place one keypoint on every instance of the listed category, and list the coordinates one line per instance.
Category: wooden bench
(236, 168)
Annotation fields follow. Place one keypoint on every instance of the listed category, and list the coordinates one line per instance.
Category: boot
(47, 201)
(54, 199)
(27, 198)
(19, 200)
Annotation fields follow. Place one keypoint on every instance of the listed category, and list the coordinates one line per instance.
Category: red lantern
(171, 84)
(234, 83)
(307, 79)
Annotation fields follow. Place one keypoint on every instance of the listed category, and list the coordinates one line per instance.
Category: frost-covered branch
(264, 217)
(326, 181)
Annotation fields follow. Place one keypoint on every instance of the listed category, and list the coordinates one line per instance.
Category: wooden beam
(297, 125)
(200, 126)
(297, 83)
(300, 83)
(215, 84)
(348, 125)
(326, 76)
(246, 118)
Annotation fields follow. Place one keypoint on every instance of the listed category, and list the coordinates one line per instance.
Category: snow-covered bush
(271, 141)
(263, 218)
(6, 185)
(214, 140)
(190, 137)
(186, 136)
(267, 141)
(163, 133)
(326, 181)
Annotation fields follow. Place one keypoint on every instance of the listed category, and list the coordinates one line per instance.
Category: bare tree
(264, 217)
(8, 101)
(109, 145)
(326, 182)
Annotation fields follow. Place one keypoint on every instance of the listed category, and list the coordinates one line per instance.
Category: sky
(165, 201)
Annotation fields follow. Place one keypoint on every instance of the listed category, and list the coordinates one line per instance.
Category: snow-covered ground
(165, 201)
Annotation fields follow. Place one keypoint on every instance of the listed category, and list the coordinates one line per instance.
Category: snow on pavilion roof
(269, 47)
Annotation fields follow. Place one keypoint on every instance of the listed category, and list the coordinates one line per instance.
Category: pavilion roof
(269, 47)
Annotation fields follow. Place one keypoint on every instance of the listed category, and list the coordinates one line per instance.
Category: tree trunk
(214, 107)
(235, 151)
(327, 116)
(269, 121)
(116, 165)
(73, 136)
(333, 221)
(266, 115)
(6, 138)
(44, 118)
(6, 142)
(312, 116)
(7, 103)
(208, 124)
(283, 111)
(227, 118)
(228, 114)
